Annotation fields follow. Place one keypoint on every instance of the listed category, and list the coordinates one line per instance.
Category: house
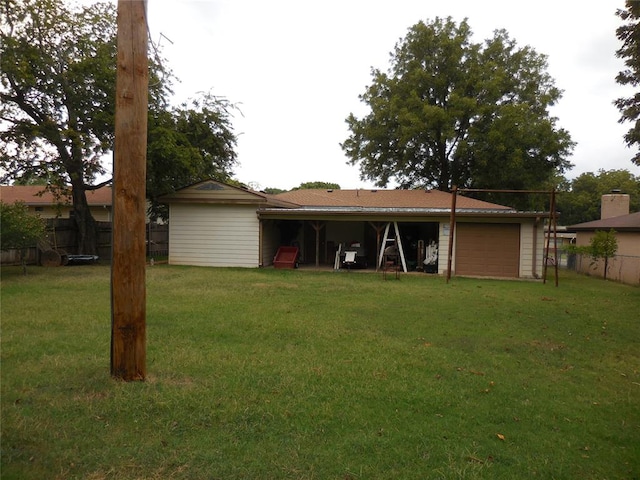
(214, 224)
(43, 202)
(614, 215)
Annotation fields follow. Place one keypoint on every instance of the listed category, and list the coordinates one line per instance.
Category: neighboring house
(47, 205)
(625, 266)
(214, 224)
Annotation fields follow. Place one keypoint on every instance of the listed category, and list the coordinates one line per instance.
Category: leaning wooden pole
(128, 290)
(547, 241)
(554, 221)
(452, 231)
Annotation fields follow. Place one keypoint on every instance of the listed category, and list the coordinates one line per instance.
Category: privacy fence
(62, 236)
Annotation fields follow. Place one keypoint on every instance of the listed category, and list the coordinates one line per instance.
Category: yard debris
(500, 436)
(475, 459)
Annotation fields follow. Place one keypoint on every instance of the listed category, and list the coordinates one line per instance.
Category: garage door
(487, 249)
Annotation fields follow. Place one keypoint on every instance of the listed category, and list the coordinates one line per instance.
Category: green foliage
(629, 35)
(187, 144)
(322, 375)
(57, 92)
(603, 246)
(57, 89)
(581, 197)
(321, 185)
(574, 249)
(453, 112)
(274, 191)
(18, 228)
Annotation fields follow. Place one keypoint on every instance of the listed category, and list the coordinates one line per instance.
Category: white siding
(214, 235)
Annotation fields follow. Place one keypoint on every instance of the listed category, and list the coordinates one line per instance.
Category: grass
(272, 374)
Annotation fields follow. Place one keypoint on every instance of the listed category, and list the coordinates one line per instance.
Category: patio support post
(378, 227)
(317, 226)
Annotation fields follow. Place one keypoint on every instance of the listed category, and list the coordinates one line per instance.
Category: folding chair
(350, 259)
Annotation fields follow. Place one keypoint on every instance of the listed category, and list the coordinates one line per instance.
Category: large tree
(57, 92)
(629, 35)
(453, 112)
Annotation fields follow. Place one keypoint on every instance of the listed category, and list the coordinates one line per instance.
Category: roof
(629, 222)
(36, 195)
(390, 199)
(329, 203)
(376, 204)
(214, 192)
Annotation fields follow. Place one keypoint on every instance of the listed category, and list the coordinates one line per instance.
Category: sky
(295, 70)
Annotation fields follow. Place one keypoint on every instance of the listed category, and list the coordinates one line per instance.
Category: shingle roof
(623, 222)
(423, 199)
(36, 196)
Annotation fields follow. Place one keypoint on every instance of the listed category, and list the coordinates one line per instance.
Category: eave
(363, 213)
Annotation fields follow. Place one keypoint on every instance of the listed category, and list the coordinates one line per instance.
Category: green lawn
(269, 374)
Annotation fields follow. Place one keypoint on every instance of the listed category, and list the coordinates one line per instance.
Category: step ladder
(385, 239)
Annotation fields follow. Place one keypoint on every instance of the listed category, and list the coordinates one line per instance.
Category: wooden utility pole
(128, 291)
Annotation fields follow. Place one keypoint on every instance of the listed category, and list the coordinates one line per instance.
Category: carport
(219, 225)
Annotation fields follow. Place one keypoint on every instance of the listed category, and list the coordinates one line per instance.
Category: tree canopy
(629, 35)
(313, 185)
(452, 112)
(188, 143)
(57, 92)
(579, 200)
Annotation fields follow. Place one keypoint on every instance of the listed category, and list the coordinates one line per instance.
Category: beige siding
(214, 192)
(214, 236)
(443, 249)
(100, 214)
(624, 267)
(532, 243)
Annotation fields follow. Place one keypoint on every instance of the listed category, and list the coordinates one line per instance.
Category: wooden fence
(62, 234)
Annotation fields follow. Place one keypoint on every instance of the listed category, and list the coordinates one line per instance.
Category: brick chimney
(614, 204)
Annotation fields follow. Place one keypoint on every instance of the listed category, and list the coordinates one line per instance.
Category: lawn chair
(350, 259)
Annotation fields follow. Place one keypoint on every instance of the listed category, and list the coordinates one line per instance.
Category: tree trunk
(87, 228)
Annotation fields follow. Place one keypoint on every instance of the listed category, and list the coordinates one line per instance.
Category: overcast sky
(296, 68)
